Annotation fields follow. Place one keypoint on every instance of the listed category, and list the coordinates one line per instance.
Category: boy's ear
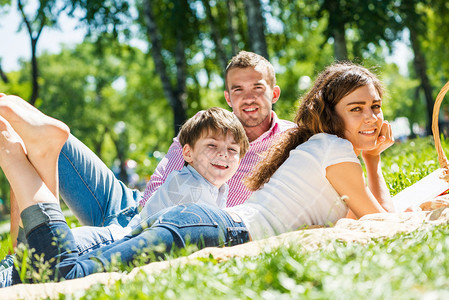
(187, 153)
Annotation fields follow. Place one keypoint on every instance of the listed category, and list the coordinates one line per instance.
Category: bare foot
(21, 174)
(42, 135)
(11, 146)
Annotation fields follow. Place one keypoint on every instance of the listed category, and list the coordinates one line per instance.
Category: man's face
(215, 157)
(251, 98)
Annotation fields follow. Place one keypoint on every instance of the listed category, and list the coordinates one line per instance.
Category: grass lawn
(408, 266)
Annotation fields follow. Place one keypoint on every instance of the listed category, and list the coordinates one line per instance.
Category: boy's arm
(173, 160)
(168, 194)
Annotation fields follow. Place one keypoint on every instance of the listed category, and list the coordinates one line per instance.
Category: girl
(311, 177)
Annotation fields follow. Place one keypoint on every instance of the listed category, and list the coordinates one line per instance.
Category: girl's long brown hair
(316, 114)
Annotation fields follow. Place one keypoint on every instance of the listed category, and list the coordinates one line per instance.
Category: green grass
(5, 243)
(405, 164)
(411, 266)
(405, 267)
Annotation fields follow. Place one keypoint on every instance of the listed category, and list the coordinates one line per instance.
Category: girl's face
(361, 112)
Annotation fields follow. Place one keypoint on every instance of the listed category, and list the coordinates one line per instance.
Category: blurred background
(124, 75)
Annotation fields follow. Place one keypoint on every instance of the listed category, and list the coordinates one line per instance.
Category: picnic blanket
(361, 231)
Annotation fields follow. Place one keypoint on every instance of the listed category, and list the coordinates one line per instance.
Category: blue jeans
(95, 196)
(175, 227)
(86, 239)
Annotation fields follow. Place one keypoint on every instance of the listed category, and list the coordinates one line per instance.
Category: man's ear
(276, 94)
(187, 153)
(228, 98)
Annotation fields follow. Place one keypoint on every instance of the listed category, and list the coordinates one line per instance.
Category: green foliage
(100, 90)
(435, 44)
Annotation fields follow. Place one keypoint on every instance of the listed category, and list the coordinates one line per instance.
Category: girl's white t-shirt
(299, 194)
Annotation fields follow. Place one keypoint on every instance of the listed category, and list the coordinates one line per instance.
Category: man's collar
(274, 127)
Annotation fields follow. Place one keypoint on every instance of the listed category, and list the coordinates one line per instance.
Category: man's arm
(173, 160)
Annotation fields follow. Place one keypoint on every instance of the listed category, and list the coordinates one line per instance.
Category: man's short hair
(217, 120)
(245, 59)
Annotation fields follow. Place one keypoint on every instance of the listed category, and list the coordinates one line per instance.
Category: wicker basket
(444, 163)
(427, 192)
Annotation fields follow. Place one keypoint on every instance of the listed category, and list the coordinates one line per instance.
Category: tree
(413, 17)
(256, 27)
(336, 27)
(369, 21)
(45, 15)
(216, 36)
(232, 25)
(3, 75)
(175, 92)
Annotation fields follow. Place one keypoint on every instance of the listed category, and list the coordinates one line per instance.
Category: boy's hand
(384, 140)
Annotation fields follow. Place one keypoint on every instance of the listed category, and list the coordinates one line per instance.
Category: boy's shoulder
(186, 177)
(187, 185)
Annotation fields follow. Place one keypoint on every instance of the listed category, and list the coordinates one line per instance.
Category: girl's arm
(348, 180)
(376, 181)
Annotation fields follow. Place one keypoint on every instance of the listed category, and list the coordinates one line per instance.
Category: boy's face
(215, 156)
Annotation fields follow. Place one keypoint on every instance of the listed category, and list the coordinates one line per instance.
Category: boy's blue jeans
(94, 195)
(201, 225)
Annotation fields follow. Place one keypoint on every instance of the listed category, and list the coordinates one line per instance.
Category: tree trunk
(180, 93)
(340, 51)
(419, 63)
(216, 37)
(121, 144)
(3, 75)
(34, 37)
(232, 25)
(337, 25)
(256, 25)
(34, 72)
(176, 97)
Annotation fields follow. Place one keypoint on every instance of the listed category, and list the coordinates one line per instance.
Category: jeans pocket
(186, 215)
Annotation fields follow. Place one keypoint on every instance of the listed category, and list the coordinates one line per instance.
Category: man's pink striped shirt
(238, 193)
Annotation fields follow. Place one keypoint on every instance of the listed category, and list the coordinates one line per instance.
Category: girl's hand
(384, 140)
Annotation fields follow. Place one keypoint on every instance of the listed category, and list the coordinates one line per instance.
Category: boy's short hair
(246, 59)
(216, 120)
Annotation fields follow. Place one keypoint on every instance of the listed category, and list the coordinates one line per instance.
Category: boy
(213, 144)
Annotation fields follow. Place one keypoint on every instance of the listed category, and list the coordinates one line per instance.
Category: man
(99, 199)
(251, 91)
